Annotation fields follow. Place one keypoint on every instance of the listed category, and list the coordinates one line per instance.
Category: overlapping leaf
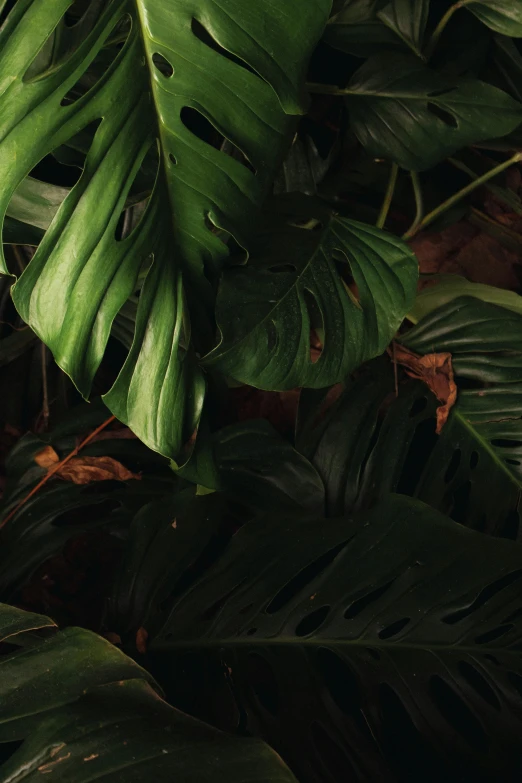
(371, 444)
(266, 310)
(86, 712)
(377, 647)
(408, 18)
(404, 111)
(237, 69)
(503, 16)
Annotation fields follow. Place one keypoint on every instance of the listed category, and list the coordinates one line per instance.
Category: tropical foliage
(207, 200)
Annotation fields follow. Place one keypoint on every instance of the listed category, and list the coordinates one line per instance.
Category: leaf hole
(474, 460)
(6, 10)
(272, 336)
(453, 467)
(457, 713)
(483, 597)
(394, 629)
(461, 498)
(316, 324)
(514, 462)
(203, 35)
(74, 13)
(304, 578)
(422, 444)
(494, 634)
(363, 603)
(479, 684)
(201, 126)
(503, 443)
(441, 114)
(92, 76)
(418, 407)
(162, 65)
(279, 269)
(251, 631)
(173, 159)
(312, 622)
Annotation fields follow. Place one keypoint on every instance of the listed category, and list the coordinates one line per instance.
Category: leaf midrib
(292, 641)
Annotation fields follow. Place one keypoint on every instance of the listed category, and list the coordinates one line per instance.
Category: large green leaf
(86, 712)
(404, 111)
(372, 443)
(407, 18)
(381, 647)
(449, 287)
(503, 16)
(176, 68)
(267, 309)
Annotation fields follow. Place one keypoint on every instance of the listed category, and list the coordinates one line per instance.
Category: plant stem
(435, 38)
(388, 198)
(55, 469)
(419, 202)
(434, 214)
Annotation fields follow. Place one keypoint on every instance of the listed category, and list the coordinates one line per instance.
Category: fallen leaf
(85, 470)
(47, 457)
(436, 371)
(141, 640)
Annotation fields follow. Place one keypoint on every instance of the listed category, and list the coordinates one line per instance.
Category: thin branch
(388, 198)
(434, 214)
(419, 202)
(55, 469)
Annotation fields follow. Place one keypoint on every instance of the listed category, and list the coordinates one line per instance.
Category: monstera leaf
(176, 80)
(407, 18)
(503, 16)
(86, 712)
(386, 646)
(357, 29)
(267, 309)
(402, 110)
(371, 443)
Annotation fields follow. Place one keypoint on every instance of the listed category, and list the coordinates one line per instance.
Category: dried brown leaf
(47, 457)
(436, 371)
(141, 640)
(85, 470)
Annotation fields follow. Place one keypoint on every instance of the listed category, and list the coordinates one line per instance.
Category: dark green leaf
(165, 67)
(406, 112)
(407, 18)
(86, 712)
(372, 443)
(263, 471)
(503, 16)
(349, 622)
(267, 309)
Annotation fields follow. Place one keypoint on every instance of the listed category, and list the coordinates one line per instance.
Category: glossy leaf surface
(502, 16)
(404, 111)
(163, 79)
(267, 309)
(86, 712)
